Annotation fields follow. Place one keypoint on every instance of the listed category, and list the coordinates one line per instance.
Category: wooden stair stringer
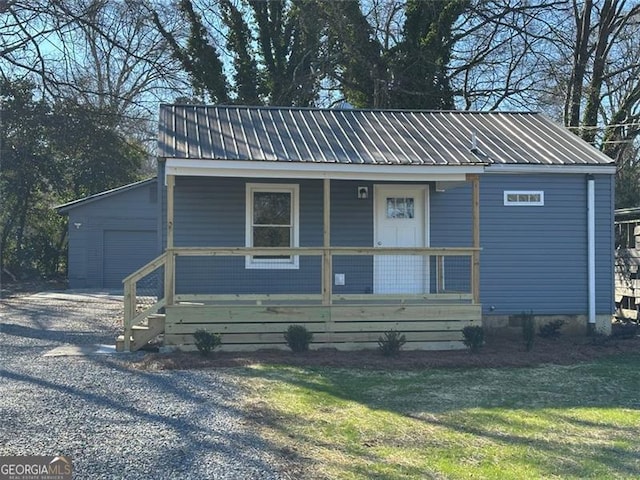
(142, 334)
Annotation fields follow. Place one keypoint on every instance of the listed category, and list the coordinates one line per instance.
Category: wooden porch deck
(250, 322)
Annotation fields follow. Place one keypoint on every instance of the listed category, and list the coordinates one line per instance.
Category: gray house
(112, 234)
(355, 222)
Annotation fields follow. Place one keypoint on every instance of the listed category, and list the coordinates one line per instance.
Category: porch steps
(142, 334)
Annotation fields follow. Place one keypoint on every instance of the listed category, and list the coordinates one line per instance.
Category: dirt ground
(497, 352)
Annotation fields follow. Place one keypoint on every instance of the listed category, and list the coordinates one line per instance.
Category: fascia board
(555, 169)
(300, 170)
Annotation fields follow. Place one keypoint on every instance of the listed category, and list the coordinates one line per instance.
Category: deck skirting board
(344, 327)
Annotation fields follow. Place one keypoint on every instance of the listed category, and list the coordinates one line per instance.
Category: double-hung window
(272, 221)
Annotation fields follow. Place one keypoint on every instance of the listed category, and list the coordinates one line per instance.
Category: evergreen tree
(52, 153)
(199, 58)
(419, 62)
(360, 65)
(239, 41)
(412, 73)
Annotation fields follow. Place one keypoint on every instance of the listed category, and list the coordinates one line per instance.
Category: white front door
(400, 220)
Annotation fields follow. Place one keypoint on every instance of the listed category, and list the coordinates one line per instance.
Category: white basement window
(272, 221)
(524, 198)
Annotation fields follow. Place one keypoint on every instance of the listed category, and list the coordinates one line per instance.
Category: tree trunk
(580, 58)
(606, 27)
(24, 208)
(7, 229)
(55, 260)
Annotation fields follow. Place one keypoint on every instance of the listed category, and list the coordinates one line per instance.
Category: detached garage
(112, 234)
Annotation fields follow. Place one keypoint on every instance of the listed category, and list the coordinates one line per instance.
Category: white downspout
(591, 248)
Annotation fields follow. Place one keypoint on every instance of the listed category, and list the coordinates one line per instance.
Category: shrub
(391, 343)
(473, 338)
(551, 329)
(206, 342)
(298, 338)
(528, 330)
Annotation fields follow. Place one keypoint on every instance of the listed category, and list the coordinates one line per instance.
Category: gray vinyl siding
(133, 211)
(211, 212)
(124, 251)
(534, 258)
(352, 226)
(605, 244)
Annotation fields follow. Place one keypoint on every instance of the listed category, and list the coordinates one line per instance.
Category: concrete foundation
(576, 325)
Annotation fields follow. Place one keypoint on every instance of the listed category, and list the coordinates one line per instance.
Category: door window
(400, 207)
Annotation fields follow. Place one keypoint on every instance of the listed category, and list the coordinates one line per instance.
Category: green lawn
(578, 421)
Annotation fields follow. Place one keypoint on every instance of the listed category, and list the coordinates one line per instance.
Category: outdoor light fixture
(77, 225)
(363, 192)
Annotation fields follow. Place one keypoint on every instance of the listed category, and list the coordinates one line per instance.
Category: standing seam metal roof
(384, 137)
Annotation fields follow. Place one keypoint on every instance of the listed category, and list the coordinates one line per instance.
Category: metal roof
(65, 207)
(369, 136)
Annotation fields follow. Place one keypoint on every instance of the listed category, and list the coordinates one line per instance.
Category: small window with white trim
(524, 198)
(272, 221)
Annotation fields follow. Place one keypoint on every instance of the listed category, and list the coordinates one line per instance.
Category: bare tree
(603, 34)
(602, 94)
(105, 53)
(500, 52)
(577, 61)
(121, 61)
(29, 31)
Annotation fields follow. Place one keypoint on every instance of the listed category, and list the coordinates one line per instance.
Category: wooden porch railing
(161, 272)
(439, 253)
(135, 311)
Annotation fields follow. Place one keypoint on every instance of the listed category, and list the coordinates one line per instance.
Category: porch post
(475, 257)
(326, 244)
(169, 266)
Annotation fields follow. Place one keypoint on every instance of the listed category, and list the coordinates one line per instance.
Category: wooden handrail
(146, 269)
(131, 317)
(472, 252)
(311, 251)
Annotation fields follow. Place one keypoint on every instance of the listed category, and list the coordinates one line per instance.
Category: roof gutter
(605, 169)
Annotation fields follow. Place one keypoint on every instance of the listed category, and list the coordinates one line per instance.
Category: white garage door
(124, 252)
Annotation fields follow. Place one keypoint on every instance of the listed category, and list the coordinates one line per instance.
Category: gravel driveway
(115, 422)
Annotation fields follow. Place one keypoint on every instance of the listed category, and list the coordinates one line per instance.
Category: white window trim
(273, 264)
(508, 203)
